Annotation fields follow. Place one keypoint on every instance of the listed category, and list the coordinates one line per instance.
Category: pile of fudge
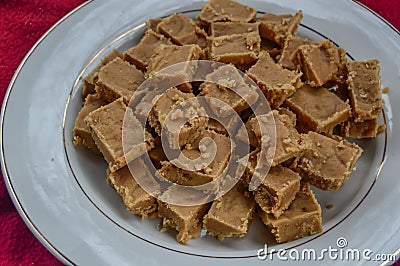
(318, 98)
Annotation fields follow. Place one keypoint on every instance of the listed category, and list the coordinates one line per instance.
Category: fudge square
(82, 134)
(187, 220)
(277, 190)
(317, 109)
(238, 49)
(176, 106)
(140, 54)
(89, 82)
(182, 30)
(225, 10)
(276, 82)
(329, 163)
(302, 218)
(289, 49)
(136, 199)
(219, 29)
(288, 142)
(271, 47)
(360, 130)
(365, 90)
(119, 79)
(107, 125)
(201, 172)
(229, 87)
(278, 28)
(231, 215)
(169, 55)
(319, 63)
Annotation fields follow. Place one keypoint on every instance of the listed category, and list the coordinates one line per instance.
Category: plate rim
(7, 177)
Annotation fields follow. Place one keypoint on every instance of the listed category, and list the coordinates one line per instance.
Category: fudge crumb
(330, 206)
(386, 90)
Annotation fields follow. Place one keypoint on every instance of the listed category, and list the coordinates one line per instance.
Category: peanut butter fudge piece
(187, 220)
(225, 10)
(171, 109)
(360, 130)
(119, 79)
(329, 162)
(82, 135)
(365, 90)
(182, 30)
(169, 55)
(140, 54)
(216, 126)
(278, 28)
(228, 87)
(289, 49)
(136, 199)
(238, 49)
(219, 29)
(204, 169)
(271, 47)
(231, 215)
(288, 142)
(317, 109)
(107, 125)
(302, 218)
(250, 138)
(153, 23)
(157, 154)
(319, 63)
(89, 82)
(276, 82)
(277, 190)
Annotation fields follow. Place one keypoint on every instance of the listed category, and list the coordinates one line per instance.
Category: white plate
(61, 191)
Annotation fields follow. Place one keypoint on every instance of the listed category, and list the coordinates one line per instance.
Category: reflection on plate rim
(14, 196)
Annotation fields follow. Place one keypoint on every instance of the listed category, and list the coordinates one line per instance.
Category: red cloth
(22, 23)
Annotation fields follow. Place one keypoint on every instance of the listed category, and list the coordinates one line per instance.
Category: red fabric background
(22, 23)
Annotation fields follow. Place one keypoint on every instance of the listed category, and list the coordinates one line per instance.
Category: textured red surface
(22, 23)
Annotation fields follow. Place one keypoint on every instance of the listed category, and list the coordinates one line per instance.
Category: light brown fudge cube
(182, 30)
(140, 54)
(277, 190)
(169, 55)
(203, 170)
(278, 28)
(157, 154)
(289, 49)
(108, 124)
(319, 63)
(89, 82)
(250, 138)
(270, 47)
(187, 220)
(119, 79)
(174, 108)
(276, 82)
(238, 49)
(288, 142)
(82, 134)
(137, 200)
(228, 89)
(329, 162)
(153, 23)
(365, 90)
(360, 130)
(302, 218)
(219, 29)
(231, 215)
(225, 10)
(317, 109)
